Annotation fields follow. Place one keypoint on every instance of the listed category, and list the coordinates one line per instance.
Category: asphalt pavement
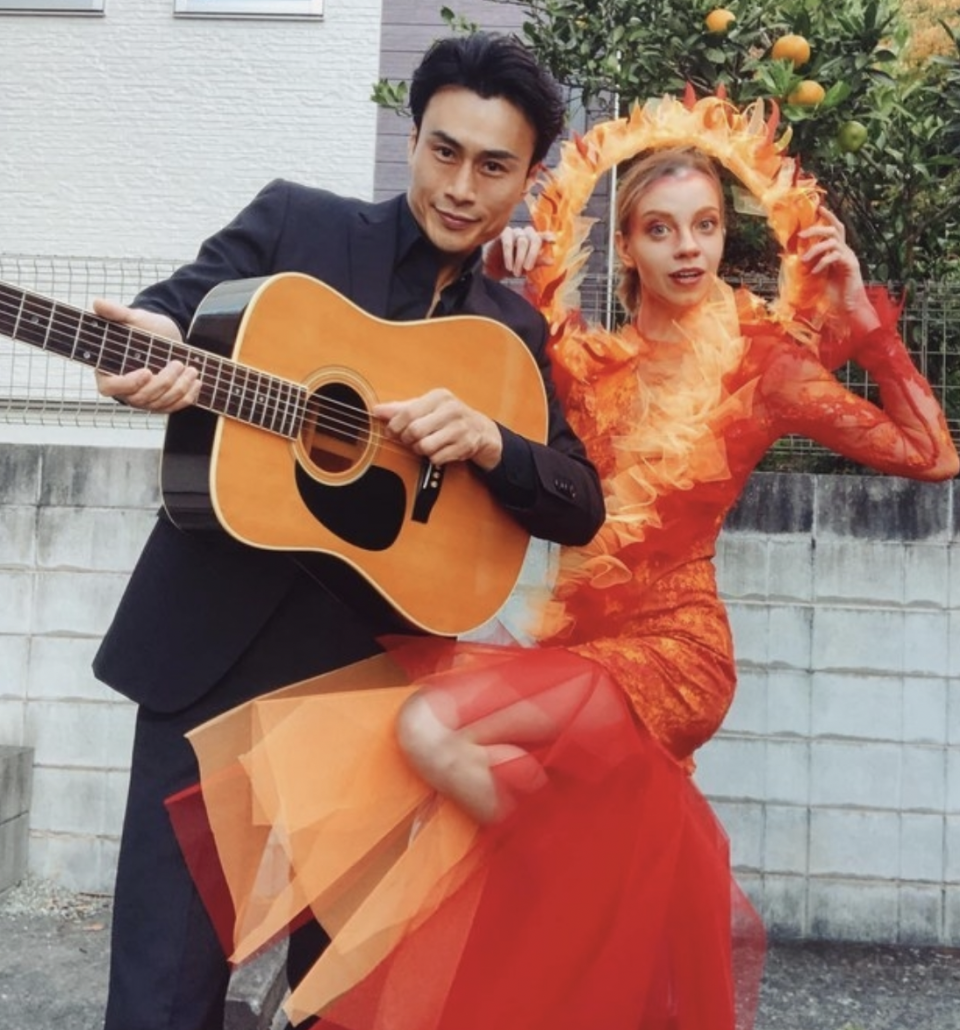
(54, 952)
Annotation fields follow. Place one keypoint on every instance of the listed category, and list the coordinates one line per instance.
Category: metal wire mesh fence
(40, 388)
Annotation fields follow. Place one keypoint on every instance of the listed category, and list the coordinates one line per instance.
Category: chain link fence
(40, 388)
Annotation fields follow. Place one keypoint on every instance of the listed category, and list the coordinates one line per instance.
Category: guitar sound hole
(336, 434)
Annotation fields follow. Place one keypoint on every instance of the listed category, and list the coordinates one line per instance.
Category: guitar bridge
(428, 490)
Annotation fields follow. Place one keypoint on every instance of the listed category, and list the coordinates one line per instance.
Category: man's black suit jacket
(194, 604)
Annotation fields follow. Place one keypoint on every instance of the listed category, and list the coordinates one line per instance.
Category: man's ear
(411, 143)
(532, 177)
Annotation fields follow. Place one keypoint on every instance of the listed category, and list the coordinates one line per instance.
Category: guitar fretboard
(226, 387)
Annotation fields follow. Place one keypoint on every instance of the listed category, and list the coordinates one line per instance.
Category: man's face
(470, 167)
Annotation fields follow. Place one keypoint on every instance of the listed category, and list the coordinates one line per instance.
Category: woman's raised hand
(516, 251)
(829, 254)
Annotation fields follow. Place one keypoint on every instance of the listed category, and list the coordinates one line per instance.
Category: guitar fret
(288, 423)
(227, 388)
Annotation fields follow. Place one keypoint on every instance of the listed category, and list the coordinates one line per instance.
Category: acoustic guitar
(281, 450)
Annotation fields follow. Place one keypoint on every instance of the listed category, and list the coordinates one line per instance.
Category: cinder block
(791, 572)
(16, 589)
(858, 641)
(731, 768)
(953, 648)
(748, 712)
(14, 844)
(854, 843)
(953, 781)
(784, 907)
(19, 474)
(953, 712)
(81, 734)
(921, 916)
(953, 561)
(14, 662)
(743, 823)
(855, 774)
(926, 635)
(87, 477)
(17, 536)
(791, 635)
(951, 851)
(926, 576)
(922, 848)
(787, 772)
(844, 910)
(77, 602)
(926, 716)
(105, 539)
(69, 800)
(12, 721)
(789, 702)
(786, 839)
(750, 625)
(923, 778)
(865, 571)
(78, 863)
(742, 572)
(60, 670)
(857, 705)
(16, 778)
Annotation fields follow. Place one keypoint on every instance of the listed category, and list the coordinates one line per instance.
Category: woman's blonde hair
(639, 177)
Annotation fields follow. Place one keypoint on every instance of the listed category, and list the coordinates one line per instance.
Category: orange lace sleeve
(905, 435)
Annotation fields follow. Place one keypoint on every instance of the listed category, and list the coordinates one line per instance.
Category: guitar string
(326, 413)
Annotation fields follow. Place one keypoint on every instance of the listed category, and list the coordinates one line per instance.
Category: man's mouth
(454, 222)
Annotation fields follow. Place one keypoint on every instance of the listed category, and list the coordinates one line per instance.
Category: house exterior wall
(139, 134)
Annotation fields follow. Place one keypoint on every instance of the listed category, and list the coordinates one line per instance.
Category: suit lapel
(372, 251)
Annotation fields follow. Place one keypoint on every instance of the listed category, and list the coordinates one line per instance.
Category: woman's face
(675, 240)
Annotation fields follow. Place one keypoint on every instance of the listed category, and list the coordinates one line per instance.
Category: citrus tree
(870, 123)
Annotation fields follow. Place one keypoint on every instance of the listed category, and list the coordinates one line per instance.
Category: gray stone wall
(837, 772)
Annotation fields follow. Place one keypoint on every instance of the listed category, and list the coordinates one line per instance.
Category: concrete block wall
(837, 772)
(72, 521)
(16, 775)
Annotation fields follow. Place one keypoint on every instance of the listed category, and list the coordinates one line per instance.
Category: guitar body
(432, 542)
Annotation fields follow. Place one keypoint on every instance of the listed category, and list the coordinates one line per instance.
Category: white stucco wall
(138, 133)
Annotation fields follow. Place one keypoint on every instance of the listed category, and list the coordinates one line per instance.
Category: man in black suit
(206, 622)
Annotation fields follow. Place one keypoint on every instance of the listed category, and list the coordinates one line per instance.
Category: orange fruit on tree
(807, 94)
(719, 20)
(791, 48)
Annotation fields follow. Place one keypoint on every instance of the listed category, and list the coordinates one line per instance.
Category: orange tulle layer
(603, 899)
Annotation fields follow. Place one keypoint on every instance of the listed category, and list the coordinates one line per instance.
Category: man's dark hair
(492, 66)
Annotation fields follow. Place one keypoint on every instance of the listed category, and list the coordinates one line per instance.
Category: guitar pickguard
(367, 513)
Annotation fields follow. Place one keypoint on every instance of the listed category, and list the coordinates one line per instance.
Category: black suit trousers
(168, 971)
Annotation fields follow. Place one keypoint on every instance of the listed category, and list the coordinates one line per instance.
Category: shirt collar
(410, 235)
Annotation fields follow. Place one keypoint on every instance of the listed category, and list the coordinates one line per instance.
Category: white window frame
(52, 6)
(248, 8)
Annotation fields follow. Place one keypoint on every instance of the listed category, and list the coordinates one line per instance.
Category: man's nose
(462, 184)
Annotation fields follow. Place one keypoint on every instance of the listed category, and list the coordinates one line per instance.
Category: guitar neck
(226, 387)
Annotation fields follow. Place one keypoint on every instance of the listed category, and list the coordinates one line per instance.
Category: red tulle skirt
(603, 898)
